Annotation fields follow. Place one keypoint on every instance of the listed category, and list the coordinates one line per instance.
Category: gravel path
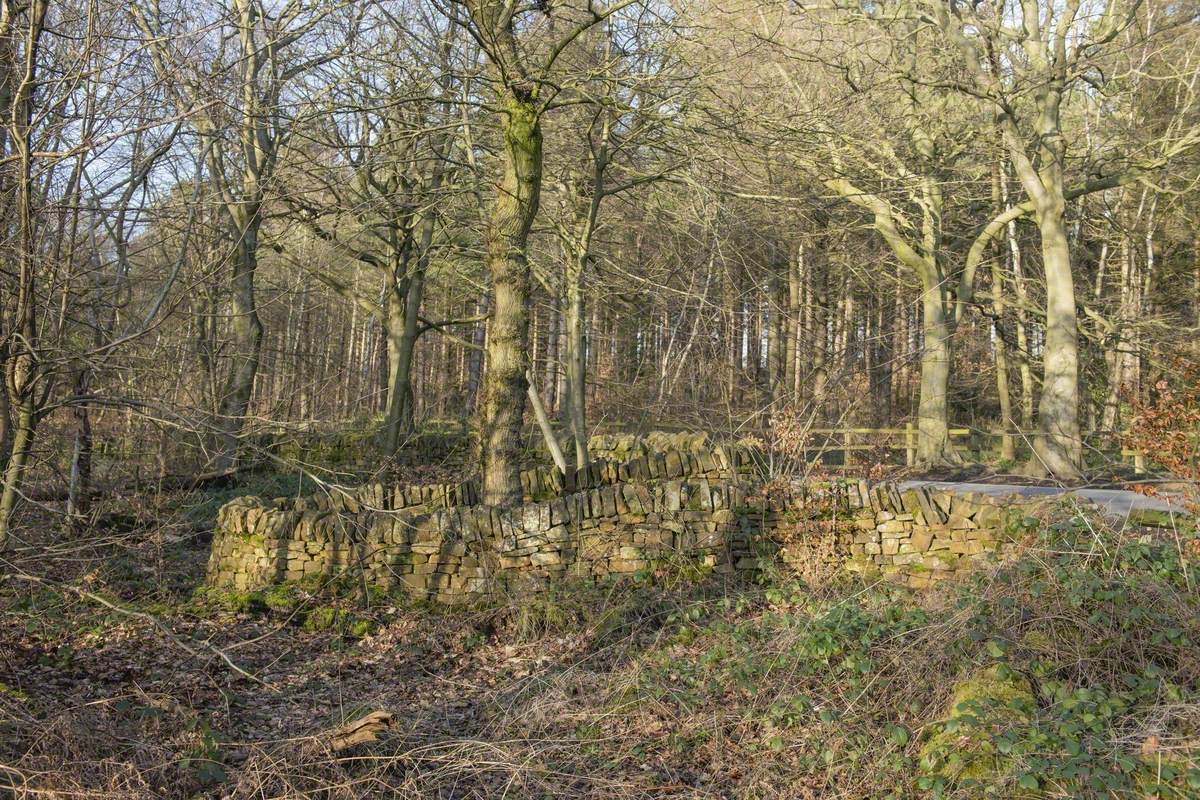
(1117, 503)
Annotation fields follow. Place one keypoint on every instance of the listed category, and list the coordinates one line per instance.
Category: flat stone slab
(1119, 504)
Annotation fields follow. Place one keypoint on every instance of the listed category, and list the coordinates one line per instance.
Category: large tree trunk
(400, 322)
(576, 397)
(504, 383)
(1057, 446)
(22, 368)
(247, 349)
(933, 430)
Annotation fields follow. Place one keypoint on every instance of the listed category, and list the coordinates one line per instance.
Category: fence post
(910, 445)
(847, 453)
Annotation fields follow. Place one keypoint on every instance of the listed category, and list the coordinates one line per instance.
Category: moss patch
(963, 749)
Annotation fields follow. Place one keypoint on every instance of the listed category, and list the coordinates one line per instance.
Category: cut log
(363, 730)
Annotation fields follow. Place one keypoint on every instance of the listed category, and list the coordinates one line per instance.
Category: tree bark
(933, 429)
(1058, 446)
(22, 378)
(401, 317)
(1008, 449)
(791, 331)
(576, 397)
(247, 332)
(505, 383)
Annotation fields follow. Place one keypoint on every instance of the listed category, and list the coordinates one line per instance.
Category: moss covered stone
(963, 748)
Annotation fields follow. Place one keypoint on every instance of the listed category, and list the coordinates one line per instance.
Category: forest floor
(114, 683)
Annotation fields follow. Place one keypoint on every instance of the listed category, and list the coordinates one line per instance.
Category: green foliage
(1064, 666)
(12, 692)
(831, 642)
(1105, 630)
(573, 606)
(313, 606)
(203, 758)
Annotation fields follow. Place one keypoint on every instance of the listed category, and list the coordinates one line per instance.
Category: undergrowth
(1070, 672)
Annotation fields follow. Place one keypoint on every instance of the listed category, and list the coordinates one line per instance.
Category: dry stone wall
(702, 506)
(624, 446)
(644, 463)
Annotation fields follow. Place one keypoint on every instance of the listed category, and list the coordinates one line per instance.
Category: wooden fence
(847, 441)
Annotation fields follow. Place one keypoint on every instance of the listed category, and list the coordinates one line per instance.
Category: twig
(145, 617)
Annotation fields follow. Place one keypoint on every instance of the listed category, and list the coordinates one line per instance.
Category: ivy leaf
(898, 734)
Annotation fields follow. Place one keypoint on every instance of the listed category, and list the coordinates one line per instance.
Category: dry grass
(663, 688)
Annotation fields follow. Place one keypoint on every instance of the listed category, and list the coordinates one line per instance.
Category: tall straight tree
(618, 144)
(1054, 47)
(521, 55)
(23, 30)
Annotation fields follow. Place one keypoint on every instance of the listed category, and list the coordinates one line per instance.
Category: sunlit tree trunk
(504, 383)
(574, 363)
(247, 333)
(1058, 443)
(933, 429)
(400, 325)
(791, 332)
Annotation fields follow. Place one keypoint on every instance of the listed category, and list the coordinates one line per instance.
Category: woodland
(284, 247)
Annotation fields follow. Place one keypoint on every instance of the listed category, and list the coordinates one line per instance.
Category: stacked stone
(246, 543)
(624, 446)
(615, 529)
(627, 528)
(635, 517)
(436, 495)
(726, 462)
(921, 536)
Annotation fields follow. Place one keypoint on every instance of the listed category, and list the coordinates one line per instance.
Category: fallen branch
(362, 731)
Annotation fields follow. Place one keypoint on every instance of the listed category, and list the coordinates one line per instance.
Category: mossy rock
(281, 597)
(322, 618)
(239, 602)
(328, 618)
(962, 750)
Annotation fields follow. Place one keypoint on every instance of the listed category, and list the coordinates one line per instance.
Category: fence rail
(850, 440)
